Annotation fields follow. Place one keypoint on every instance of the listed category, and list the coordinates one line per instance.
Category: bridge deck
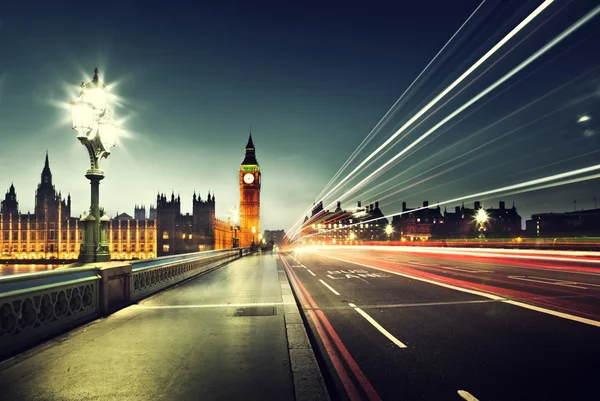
(204, 339)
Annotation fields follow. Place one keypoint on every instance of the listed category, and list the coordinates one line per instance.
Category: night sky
(312, 79)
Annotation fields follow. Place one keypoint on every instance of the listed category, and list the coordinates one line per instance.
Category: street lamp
(97, 131)
(389, 230)
(352, 235)
(481, 217)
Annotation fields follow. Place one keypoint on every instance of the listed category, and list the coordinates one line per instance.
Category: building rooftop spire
(250, 157)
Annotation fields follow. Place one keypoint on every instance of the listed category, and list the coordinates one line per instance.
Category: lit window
(165, 248)
(165, 235)
(182, 236)
(190, 236)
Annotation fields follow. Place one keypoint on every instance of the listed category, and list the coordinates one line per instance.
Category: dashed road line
(311, 272)
(378, 326)
(328, 286)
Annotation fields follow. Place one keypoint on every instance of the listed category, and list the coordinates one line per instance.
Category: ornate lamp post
(97, 132)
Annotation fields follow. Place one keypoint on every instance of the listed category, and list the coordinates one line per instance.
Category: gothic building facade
(51, 233)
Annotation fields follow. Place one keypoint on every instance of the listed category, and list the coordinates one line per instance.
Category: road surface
(410, 326)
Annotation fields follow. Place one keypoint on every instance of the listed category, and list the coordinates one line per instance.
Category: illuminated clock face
(249, 178)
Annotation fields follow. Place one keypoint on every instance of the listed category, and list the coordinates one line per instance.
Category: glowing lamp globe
(84, 117)
(481, 216)
(94, 93)
(108, 132)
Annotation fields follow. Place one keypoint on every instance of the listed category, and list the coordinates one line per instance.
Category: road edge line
(309, 383)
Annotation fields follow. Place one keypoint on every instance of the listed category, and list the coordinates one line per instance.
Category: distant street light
(352, 235)
(481, 217)
(97, 131)
(389, 230)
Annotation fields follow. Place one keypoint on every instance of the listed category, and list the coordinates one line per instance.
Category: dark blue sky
(312, 78)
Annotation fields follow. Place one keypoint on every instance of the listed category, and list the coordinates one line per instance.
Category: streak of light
(463, 89)
(505, 190)
(387, 115)
(415, 117)
(514, 71)
(487, 55)
(584, 118)
(570, 104)
(555, 163)
(574, 102)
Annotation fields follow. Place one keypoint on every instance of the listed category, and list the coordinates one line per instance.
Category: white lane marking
(554, 313)
(483, 294)
(466, 395)
(452, 287)
(378, 327)
(212, 305)
(295, 265)
(311, 272)
(328, 286)
(547, 281)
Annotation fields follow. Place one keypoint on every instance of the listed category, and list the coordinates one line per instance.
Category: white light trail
(486, 56)
(432, 103)
(510, 74)
(386, 116)
(520, 187)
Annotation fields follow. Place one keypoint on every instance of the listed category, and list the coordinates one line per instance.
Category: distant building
(502, 222)
(276, 236)
(582, 223)
(51, 233)
(417, 224)
(200, 231)
(354, 226)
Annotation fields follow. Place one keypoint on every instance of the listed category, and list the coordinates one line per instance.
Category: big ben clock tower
(249, 197)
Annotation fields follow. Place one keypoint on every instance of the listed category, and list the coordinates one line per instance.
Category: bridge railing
(36, 306)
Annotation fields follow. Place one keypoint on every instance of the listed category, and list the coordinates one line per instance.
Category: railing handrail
(63, 270)
(184, 257)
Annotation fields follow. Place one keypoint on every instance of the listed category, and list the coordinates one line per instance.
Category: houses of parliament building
(51, 233)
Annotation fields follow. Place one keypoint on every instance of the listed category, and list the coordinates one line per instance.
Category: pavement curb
(308, 381)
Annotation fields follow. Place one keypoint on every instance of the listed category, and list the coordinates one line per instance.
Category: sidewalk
(221, 336)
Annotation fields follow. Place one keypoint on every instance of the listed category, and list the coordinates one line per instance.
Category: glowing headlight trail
(487, 55)
(439, 107)
(477, 108)
(506, 189)
(483, 171)
(555, 163)
(392, 109)
(556, 184)
(514, 71)
(570, 104)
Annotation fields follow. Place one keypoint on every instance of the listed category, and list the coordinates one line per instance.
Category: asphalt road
(403, 326)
